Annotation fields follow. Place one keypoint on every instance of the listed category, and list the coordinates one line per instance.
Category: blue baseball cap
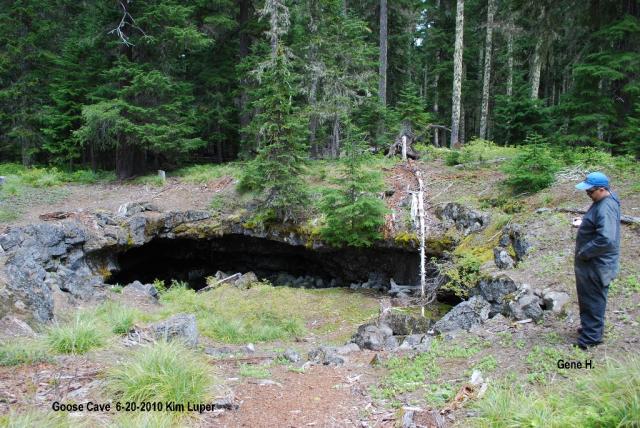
(595, 179)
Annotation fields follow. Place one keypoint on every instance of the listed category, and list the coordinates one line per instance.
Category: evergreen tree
(354, 214)
(277, 169)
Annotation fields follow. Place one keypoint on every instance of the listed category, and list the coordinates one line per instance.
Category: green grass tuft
(33, 418)
(76, 337)
(120, 318)
(22, 352)
(255, 371)
(202, 174)
(162, 372)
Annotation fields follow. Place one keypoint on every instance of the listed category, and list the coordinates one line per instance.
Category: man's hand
(576, 222)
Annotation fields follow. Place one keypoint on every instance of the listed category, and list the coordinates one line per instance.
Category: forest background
(130, 86)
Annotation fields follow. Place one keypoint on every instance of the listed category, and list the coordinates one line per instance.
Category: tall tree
(382, 86)
(486, 83)
(457, 75)
(277, 169)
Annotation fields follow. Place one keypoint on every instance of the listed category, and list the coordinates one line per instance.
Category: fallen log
(220, 282)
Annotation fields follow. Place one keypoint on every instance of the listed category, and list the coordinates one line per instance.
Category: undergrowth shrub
(353, 212)
(461, 275)
(76, 337)
(162, 372)
(534, 168)
(477, 151)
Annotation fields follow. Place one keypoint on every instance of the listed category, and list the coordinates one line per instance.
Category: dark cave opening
(193, 260)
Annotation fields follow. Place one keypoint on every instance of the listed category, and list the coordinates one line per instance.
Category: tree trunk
(510, 61)
(462, 134)
(536, 69)
(335, 138)
(245, 41)
(600, 126)
(436, 108)
(457, 76)
(484, 114)
(382, 86)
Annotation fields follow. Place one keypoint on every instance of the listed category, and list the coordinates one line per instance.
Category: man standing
(597, 256)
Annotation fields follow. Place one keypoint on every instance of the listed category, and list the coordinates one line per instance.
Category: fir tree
(354, 214)
(277, 169)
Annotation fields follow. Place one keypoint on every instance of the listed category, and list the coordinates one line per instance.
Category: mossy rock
(404, 323)
(200, 230)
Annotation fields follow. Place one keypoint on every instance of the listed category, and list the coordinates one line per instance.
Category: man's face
(596, 193)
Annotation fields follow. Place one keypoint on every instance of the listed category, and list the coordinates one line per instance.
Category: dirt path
(321, 397)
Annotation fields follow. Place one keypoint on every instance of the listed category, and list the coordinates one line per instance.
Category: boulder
(347, 349)
(463, 218)
(403, 324)
(513, 235)
(370, 336)
(554, 300)
(11, 326)
(131, 208)
(246, 280)
(464, 315)
(502, 258)
(495, 289)
(326, 355)
(136, 288)
(180, 327)
(526, 306)
(291, 355)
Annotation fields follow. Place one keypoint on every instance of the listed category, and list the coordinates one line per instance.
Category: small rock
(226, 403)
(407, 419)
(218, 352)
(391, 342)
(291, 355)
(464, 315)
(14, 327)
(246, 280)
(347, 349)
(527, 306)
(326, 355)
(410, 341)
(554, 300)
(502, 258)
(179, 327)
(369, 336)
(137, 288)
(250, 348)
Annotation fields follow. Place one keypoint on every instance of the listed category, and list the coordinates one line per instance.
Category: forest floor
(272, 392)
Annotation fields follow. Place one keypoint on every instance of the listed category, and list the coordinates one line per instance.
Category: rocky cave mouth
(193, 260)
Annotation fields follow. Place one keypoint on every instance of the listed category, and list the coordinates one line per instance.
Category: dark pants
(592, 299)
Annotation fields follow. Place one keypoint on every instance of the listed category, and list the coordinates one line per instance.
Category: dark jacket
(598, 241)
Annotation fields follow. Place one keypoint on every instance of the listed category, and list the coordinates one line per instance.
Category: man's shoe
(585, 347)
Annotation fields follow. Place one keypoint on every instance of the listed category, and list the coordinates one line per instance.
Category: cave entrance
(193, 260)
